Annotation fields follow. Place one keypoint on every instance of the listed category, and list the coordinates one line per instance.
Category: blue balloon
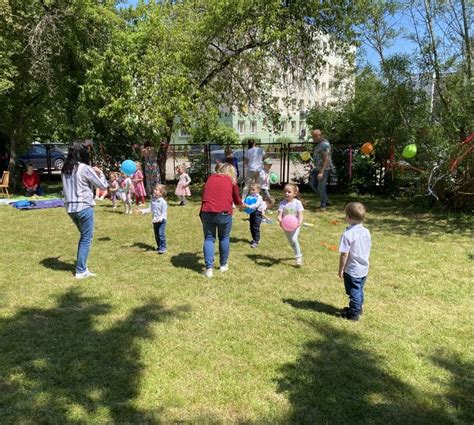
(128, 167)
(250, 200)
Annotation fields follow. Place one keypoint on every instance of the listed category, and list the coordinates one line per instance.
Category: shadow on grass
(54, 362)
(314, 306)
(335, 381)
(237, 240)
(265, 260)
(144, 246)
(54, 263)
(104, 239)
(187, 260)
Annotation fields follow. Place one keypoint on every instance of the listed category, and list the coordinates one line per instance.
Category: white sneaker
(85, 275)
(299, 261)
(224, 268)
(209, 273)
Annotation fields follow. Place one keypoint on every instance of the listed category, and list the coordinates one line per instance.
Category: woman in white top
(79, 181)
(254, 162)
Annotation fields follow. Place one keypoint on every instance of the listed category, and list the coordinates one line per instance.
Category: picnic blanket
(37, 205)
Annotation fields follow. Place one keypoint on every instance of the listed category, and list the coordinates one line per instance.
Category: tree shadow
(54, 362)
(187, 260)
(314, 306)
(54, 263)
(265, 260)
(144, 246)
(335, 381)
(461, 388)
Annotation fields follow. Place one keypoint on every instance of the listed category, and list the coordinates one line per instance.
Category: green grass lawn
(150, 340)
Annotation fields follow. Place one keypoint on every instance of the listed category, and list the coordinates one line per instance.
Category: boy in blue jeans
(354, 259)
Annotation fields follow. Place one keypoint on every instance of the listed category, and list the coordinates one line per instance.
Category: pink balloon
(289, 223)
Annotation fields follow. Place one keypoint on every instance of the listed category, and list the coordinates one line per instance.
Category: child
(291, 205)
(100, 194)
(113, 188)
(268, 203)
(159, 209)
(256, 215)
(265, 178)
(354, 260)
(138, 186)
(31, 182)
(182, 189)
(125, 192)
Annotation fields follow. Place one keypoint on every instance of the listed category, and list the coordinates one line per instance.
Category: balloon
(305, 156)
(289, 223)
(367, 148)
(409, 151)
(250, 200)
(128, 167)
(273, 177)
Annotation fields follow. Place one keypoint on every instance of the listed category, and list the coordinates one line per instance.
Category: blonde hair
(162, 188)
(139, 165)
(181, 167)
(113, 175)
(255, 186)
(229, 170)
(295, 188)
(355, 211)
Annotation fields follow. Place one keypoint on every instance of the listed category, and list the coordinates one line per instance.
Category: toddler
(182, 189)
(138, 185)
(265, 178)
(354, 259)
(159, 209)
(268, 203)
(125, 192)
(113, 188)
(256, 215)
(291, 205)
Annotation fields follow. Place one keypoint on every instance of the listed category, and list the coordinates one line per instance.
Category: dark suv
(37, 155)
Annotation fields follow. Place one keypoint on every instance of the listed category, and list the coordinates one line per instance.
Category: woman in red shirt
(31, 182)
(219, 194)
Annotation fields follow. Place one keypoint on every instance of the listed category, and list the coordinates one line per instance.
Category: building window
(253, 127)
(293, 126)
(293, 104)
(241, 127)
(301, 105)
(302, 129)
(283, 126)
(183, 132)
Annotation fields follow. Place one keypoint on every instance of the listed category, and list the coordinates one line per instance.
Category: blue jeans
(222, 223)
(355, 290)
(320, 186)
(160, 235)
(255, 222)
(84, 221)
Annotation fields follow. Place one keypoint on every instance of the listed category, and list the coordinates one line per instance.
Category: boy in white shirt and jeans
(354, 259)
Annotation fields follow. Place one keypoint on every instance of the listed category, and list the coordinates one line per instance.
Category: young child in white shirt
(159, 211)
(265, 178)
(354, 259)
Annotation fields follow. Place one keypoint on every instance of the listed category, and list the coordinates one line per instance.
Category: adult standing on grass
(219, 193)
(254, 161)
(322, 165)
(152, 172)
(79, 180)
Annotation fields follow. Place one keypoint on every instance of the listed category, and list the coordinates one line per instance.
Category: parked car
(37, 155)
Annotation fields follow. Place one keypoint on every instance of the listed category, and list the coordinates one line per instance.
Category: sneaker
(161, 251)
(224, 268)
(299, 261)
(346, 310)
(351, 316)
(209, 273)
(254, 245)
(85, 275)
(321, 209)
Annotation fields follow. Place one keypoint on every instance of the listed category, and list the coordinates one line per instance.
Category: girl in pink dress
(138, 186)
(182, 189)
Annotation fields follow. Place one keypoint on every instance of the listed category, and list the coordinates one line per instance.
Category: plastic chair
(4, 184)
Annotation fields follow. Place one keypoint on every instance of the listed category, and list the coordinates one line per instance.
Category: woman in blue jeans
(79, 182)
(219, 194)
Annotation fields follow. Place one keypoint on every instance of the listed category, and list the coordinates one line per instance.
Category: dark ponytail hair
(78, 152)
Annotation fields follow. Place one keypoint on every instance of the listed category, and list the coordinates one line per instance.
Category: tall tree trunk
(467, 40)
(164, 147)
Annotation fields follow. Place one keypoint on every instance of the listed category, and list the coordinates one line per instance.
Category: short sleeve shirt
(318, 156)
(255, 157)
(290, 208)
(357, 242)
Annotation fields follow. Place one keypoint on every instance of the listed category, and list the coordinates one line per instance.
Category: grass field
(150, 340)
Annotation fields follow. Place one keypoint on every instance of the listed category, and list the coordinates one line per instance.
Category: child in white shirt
(354, 259)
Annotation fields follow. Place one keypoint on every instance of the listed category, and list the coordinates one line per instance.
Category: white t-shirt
(265, 179)
(357, 242)
(255, 158)
(290, 208)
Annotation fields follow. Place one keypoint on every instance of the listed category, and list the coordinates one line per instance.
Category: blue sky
(400, 44)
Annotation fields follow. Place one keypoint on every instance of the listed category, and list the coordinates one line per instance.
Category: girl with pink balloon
(290, 217)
